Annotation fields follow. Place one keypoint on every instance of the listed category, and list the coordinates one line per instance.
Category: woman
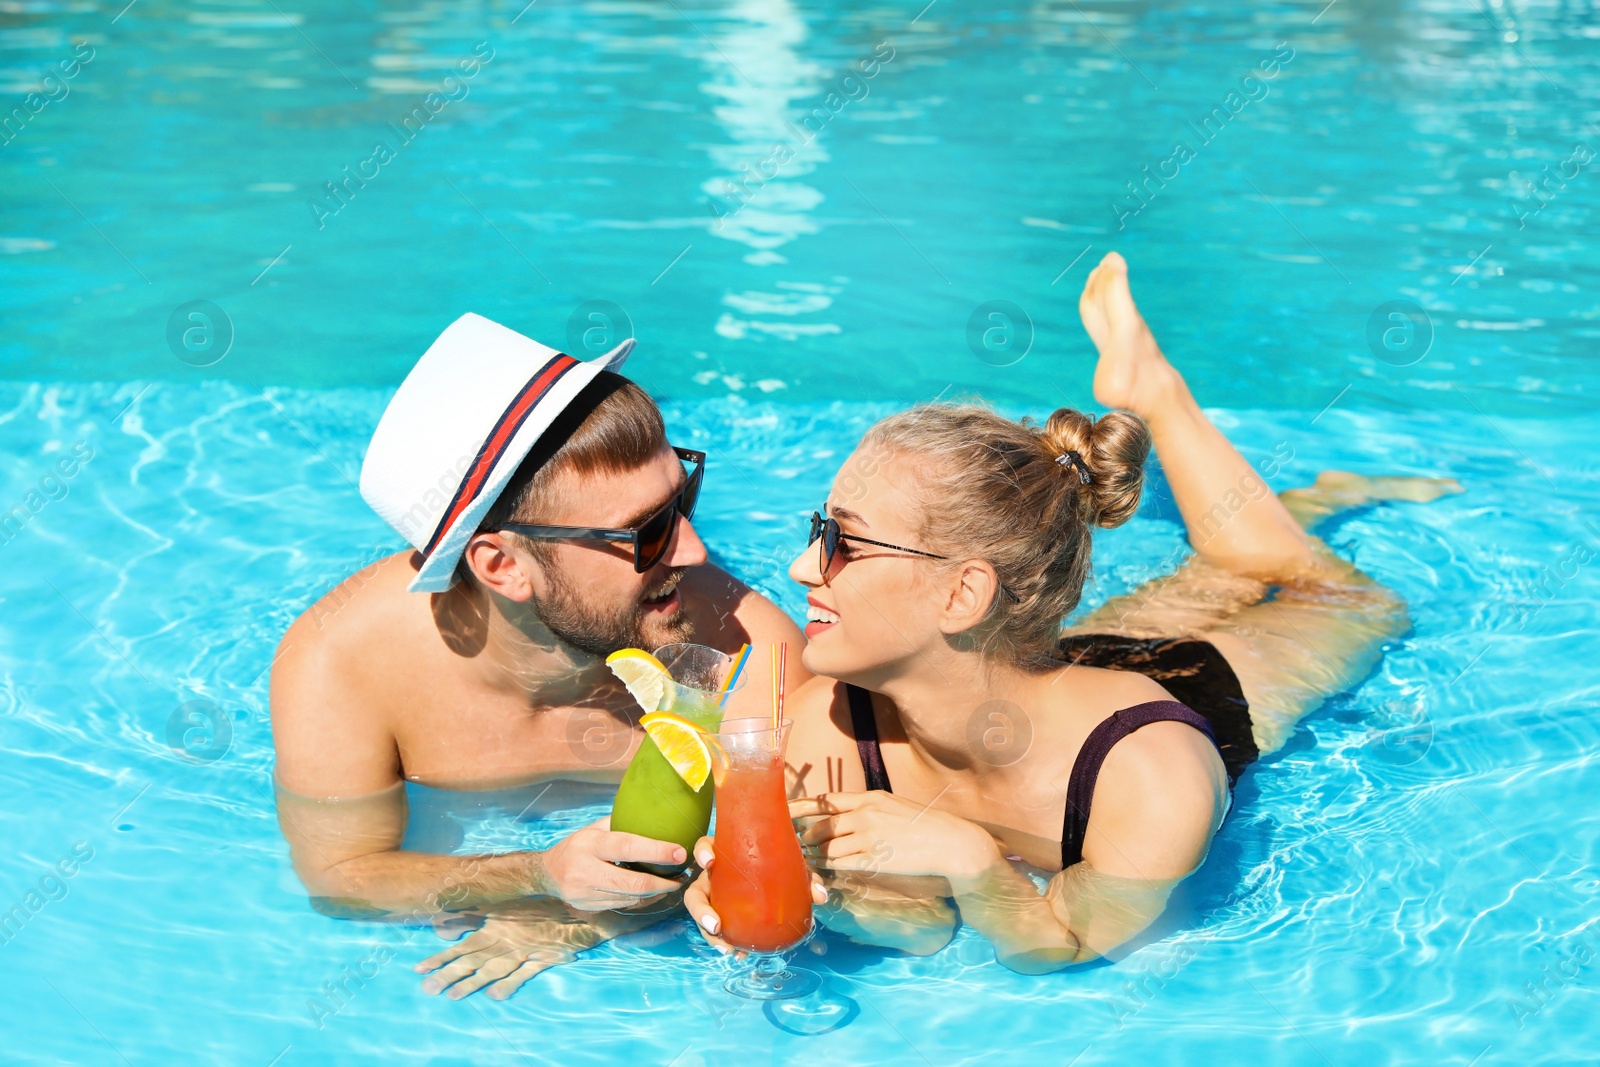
(953, 725)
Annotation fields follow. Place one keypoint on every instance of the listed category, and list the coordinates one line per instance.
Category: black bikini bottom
(1193, 671)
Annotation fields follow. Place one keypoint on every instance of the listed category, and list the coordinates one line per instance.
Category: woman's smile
(819, 618)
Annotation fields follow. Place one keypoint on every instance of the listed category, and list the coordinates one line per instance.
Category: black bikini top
(1085, 769)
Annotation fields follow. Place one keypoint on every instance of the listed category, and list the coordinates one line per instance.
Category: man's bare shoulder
(368, 610)
(727, 613)
(335, 676)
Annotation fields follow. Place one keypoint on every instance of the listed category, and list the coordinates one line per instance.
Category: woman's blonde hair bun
(1113, 450)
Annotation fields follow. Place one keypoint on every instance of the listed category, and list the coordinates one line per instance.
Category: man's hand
(581, 868)
(516, 941)
(504, 953)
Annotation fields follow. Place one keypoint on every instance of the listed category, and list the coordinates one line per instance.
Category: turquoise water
(590, 158)
(1391, 887)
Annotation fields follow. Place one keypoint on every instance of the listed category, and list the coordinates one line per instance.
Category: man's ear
(972, 591)
(498, 568)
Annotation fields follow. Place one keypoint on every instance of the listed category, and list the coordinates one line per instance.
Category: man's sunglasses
(826, 529)
(651, 538)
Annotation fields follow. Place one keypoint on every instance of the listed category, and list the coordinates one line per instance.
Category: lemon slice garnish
(644, 677)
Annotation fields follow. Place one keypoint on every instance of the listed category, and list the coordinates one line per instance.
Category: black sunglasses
(827, 530)
(651, 538)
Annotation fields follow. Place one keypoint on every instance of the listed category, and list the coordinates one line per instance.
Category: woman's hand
(697, 898)
(882, 833)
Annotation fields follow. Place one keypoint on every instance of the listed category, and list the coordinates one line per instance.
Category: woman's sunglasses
(826, 529)
(651, 538)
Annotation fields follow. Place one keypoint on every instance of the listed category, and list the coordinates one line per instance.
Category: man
(477, 661)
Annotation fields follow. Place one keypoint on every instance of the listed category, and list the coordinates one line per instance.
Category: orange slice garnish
(686, 746)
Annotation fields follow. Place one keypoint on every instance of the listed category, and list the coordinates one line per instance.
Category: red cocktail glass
(760, 886)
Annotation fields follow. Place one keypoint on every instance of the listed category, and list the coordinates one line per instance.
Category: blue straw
(733, 679)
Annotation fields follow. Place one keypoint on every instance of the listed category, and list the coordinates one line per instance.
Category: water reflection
(525, 817)
(760, 79)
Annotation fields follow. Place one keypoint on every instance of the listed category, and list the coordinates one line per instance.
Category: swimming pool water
(1385, 888)
(1411, 880)
(590, 159)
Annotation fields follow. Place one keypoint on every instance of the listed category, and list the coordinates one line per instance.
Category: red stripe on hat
(495, 445)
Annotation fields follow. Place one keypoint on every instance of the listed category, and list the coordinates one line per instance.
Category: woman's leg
(1324, 628)
(1317, 636)
(1234, 521)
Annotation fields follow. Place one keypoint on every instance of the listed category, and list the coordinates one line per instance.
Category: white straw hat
(454, 433)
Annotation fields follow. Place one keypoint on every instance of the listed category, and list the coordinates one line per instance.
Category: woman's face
(875, 608)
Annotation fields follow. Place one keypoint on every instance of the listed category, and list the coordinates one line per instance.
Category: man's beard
(592, 629)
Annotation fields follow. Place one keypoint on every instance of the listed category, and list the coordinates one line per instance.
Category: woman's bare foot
(1132, 373)
(1336, 491)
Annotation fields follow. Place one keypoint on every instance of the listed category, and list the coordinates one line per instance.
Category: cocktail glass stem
(771, 978)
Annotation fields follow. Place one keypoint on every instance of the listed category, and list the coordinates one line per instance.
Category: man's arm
(342, 808)
(346, 852)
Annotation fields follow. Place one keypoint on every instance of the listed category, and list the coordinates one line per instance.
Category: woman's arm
(1083, 913)
(1154, 816)
(912, 915)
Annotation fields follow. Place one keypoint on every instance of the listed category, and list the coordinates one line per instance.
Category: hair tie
(1072, 461)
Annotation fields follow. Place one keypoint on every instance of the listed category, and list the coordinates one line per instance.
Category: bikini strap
(1098, 745)
(866, 731)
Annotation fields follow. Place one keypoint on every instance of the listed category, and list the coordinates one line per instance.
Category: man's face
(587, 592)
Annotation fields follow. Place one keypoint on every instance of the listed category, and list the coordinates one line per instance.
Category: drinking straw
(783, 669)
(775, 685)
(739, 659)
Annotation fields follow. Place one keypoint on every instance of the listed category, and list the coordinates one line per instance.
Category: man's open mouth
(666, 596)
